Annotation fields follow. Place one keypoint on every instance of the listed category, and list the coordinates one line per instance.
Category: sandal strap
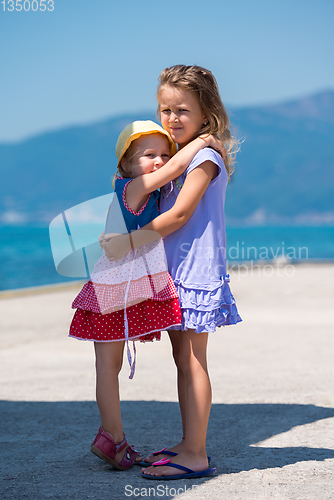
(171, 464)
(133, 453)
(122, 445)
(118, 446)
(129, 457)
(164, 451)
(182, 467)
(170, 453)
(159, 452)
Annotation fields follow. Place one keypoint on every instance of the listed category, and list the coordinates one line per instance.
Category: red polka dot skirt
(145, 319)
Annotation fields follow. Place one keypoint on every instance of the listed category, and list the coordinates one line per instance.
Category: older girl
(192, 225)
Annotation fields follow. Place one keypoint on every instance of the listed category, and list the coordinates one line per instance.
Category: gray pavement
(271, 429)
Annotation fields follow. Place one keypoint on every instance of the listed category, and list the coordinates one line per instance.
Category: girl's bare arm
(145, 184)
(192, 191)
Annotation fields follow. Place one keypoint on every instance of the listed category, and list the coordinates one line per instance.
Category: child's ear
(125, 164)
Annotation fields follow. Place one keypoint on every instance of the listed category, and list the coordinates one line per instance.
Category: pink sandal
(106, 448)
(97, 437)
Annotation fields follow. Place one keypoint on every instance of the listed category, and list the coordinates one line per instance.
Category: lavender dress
(196, 253)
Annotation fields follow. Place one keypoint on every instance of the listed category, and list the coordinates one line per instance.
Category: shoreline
(41, 289)
(278, 263)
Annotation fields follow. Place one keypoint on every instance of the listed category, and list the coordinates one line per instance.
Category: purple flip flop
(189, 473)
(163, 451)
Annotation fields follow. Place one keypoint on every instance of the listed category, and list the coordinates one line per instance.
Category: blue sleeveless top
(135, 220)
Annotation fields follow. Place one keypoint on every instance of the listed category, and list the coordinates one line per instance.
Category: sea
(26, 258)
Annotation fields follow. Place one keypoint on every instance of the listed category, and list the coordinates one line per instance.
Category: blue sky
(89, 60)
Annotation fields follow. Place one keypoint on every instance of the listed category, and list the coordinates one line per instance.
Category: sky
(85, 61)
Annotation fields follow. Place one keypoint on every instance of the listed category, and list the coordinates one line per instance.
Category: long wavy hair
(201, 82)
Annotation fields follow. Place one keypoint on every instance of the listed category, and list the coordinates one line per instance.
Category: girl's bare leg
(198, 390)
(174, 336)
(109, 359)
(197, 402)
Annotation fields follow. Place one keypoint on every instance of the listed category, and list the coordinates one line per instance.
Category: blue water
(26, 257)
(296, 243)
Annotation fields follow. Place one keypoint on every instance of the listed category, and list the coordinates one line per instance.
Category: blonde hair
(201, 82)
(129, 154)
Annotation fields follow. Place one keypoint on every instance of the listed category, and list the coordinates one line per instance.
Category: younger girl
(193, 227)
(144, 151)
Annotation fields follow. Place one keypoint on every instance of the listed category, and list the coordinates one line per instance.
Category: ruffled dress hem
(205, 310)
(145, 321)
(105, 299)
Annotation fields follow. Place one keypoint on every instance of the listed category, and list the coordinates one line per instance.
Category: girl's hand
(101, 238)
(116, 245)
(214, 143)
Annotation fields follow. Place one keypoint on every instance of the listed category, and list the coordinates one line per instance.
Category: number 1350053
(25, 5)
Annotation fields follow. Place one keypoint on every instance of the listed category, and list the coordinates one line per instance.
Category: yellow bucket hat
(135, 130)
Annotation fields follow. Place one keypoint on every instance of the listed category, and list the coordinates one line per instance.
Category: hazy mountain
(284, 170)
(51, 172)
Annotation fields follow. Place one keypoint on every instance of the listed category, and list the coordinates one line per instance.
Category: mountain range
(284, 171)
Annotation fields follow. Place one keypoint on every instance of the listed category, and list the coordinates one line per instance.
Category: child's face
(181, 114)
(148, 153)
